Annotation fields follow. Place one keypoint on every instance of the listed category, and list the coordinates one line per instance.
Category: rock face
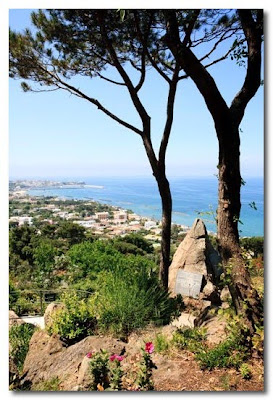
(14, 319)
(196, 255)
(50, 310)
(48, 358)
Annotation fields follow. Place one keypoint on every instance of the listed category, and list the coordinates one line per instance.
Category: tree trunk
(228, 214)
(229, 204)
(166, 200)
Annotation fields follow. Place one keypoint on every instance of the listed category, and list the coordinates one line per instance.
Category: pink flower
(89, 355)
(116, 357)
(149, 347)
(119, 358)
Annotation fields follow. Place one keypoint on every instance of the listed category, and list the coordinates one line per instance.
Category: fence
(34, 301)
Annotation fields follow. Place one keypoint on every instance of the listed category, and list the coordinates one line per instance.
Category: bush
(190, 339)
(130, 299)
(19, 338)
(161, 343)
(229, 353)
(87, 260)
(254, 244)
(75, 321)
(13, 295)
(51, 385)
(139, 241)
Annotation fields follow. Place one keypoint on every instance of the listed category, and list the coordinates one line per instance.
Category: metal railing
(38, 299)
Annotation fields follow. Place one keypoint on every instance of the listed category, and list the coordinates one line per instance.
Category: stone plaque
(188, 283)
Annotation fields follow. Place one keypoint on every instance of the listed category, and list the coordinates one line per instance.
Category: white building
(150, 224)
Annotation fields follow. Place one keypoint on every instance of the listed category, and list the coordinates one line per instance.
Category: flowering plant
(146, 366)
(114, 357)
(149, 347)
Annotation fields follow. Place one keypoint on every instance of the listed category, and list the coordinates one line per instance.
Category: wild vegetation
(119, 286)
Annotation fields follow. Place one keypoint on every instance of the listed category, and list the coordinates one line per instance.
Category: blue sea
(191, 196)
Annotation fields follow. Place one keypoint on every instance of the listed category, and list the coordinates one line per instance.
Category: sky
(58, 135)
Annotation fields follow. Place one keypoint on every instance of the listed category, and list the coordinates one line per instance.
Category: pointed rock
(196, 255)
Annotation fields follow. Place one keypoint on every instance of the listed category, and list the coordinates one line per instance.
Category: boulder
(14, 319)
(49, 311)
(196, 255)
(48, 358)
(84, 374)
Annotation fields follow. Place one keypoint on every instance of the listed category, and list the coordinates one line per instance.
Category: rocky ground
(177, 370)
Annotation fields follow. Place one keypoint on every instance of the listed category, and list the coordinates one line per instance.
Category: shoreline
(148, 205)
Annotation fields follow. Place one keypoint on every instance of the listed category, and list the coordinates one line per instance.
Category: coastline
(191, 200)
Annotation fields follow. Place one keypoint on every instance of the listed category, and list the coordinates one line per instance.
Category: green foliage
(20, 242)
(44, 259)
(71, 233)
(190, 339)
(51, 385)
(76, 320)
(245, 371)
(99, 370)
(230, 353)
(139, 241)
(258, 340)
(116, 375)
(130, 299)
(13, 295)
(19, 338)
(27, 304)
(127, 248)
(254, 244)
(88, 259)
(161, 343)
(144, 380)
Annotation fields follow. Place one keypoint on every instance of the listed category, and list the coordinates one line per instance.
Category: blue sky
(56, 134)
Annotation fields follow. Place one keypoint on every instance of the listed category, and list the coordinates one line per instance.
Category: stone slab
(188, 283)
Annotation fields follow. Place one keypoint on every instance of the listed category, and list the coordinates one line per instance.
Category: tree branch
(132, 91)
(253, 34)
(169, 120)
(193, 68)
(64, 85)
(110, 80)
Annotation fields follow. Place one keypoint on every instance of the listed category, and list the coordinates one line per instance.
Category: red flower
(149, 347)
(89, 355)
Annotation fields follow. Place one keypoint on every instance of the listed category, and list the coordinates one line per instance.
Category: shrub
(139, 241)
(99, 370)
(88, 259)
(75, 321)
(229, 353)
(51, 385)
(190, 339)
(254, 244)
(19, 338)
(245, 371)
(13, 295)
(161, 343)
(130, 299)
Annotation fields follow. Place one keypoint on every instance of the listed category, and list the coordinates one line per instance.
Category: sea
(192, 198)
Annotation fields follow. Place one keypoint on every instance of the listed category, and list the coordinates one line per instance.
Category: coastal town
(100, 219)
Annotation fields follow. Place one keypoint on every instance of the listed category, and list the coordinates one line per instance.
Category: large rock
(49, 311)
(14, 319)
(196, 255)
(48, 358)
